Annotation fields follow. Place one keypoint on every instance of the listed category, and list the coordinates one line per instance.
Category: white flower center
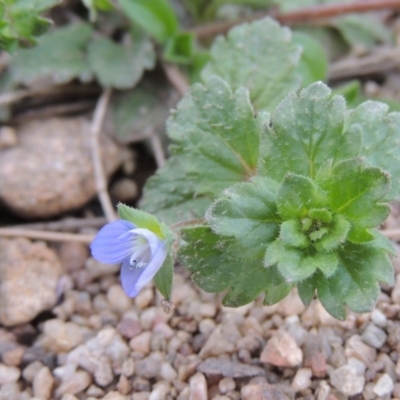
(141, 253)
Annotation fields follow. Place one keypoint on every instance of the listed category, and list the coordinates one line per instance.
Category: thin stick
(67, 224)
(45, 235)
(157, 150)
(101, 181)
(301, 15)
(176, 78)
(380, 60)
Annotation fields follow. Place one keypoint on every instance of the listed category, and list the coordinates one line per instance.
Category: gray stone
(228, 368)
(29, 274)
(347, 381)
(51, 170)
(262, 390)
(384, 386)
(374, 336)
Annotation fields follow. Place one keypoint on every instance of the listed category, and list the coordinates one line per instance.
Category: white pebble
(378, 318)
(8, 374)
(384, 386)
(302, 379)
(357, 365)
(198, 387)
(167, 372)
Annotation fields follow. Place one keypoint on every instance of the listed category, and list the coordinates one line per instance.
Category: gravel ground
(96, 343)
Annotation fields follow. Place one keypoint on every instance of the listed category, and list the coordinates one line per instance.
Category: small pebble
(302, 379)
(198, 387)
(43, 383)
(8, 374)
(374, 336)
(167, 372)
(384, 386)
(141, 343)
(347, 381)
(226, 385)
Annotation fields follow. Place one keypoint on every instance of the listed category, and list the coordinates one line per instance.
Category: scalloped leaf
(381, 139)
(307, 130)
(260, 56)
(60, 56)
(216, 136)
(121, 66)
(247, 211)
(216, 267)
(356, 191)
(171, 196)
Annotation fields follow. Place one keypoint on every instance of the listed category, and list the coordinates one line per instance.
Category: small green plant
(287, 189)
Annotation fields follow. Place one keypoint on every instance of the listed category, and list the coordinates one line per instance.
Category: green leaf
(139, 113)
(325, 262)
(298, 195)
(247, 211)
(216, 267)
(307, 130)
(292, 234)
(120, 66)
(180, 48)
(21, 22)
(171, 196)
(381, 139)
(359, 234)
(59, 56)
(320, 214)
(259, 56)
(94, 5)
(356, 190)
(306, 289)
(278, 288)
(144, 220)
(355, 283)
(289, 262)
(313, 64)
(216, 136)
(334, 236)
(157, 17)
(383, 243)
(164, 277)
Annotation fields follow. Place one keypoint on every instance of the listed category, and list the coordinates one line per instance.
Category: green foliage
(164, 277)
(156, 17)
(208, 113)
(97, 5)
(60, 56)
(71, 52)
(313, 64)
(21, 22)
(307, 217)
(120, 66)
(260, 56)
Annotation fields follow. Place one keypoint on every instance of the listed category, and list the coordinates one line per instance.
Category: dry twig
(380, 60)
(176, 78)
(45, 235)
(305, 14)
(101, 181)
(157, 150)
(66, 224)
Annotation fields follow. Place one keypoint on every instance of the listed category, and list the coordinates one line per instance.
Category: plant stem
(189, 222)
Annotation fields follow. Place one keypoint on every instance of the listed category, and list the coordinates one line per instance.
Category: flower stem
(189, 222)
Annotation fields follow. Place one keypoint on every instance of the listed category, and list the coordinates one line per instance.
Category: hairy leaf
(216, 136)
(216, 267)
(356, 190)
(247, 211)
(307, 131)
(171, 196)
(381, 139)
(164, 277)
(259, 56)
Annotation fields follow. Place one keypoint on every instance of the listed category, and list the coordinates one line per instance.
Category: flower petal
(111, 244)
(133, 280)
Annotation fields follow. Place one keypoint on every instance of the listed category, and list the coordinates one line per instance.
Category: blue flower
(141, 252)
